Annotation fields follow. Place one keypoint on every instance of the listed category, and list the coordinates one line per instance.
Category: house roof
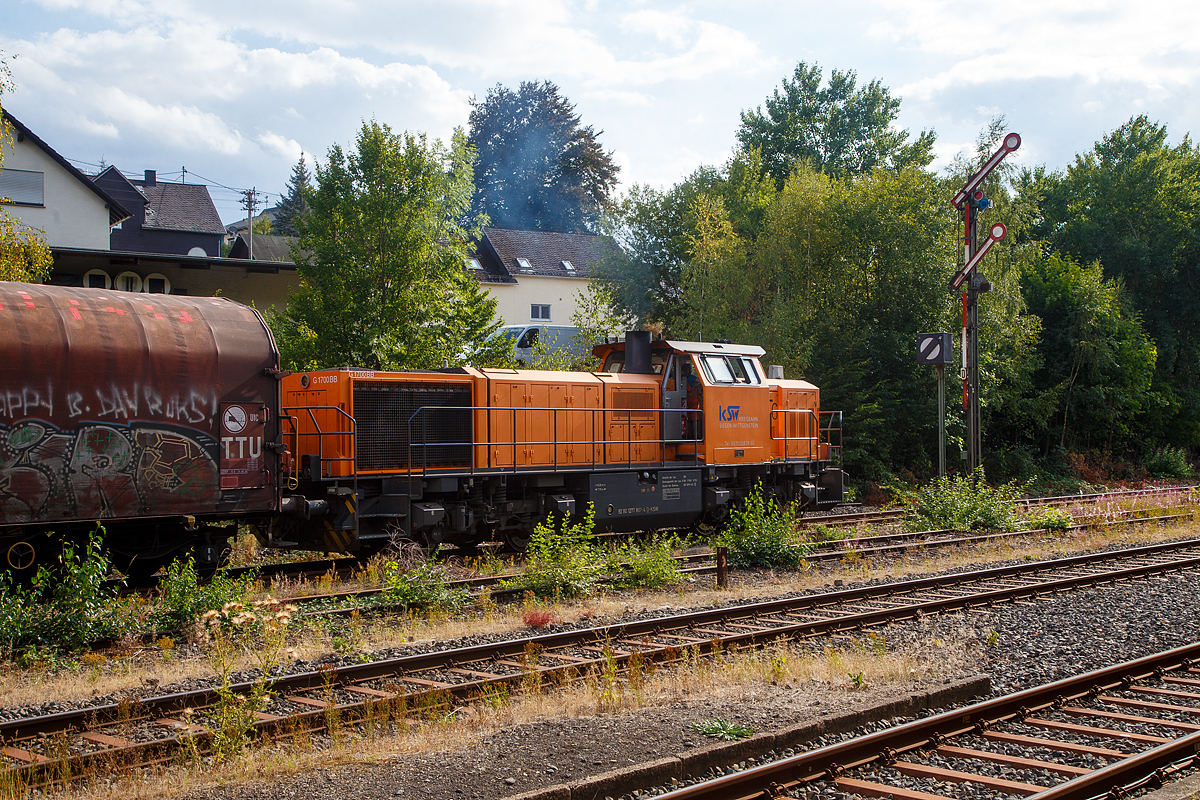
(546, 252)
(174, 206)
(116, 212)
(266, 248)
(180, 207)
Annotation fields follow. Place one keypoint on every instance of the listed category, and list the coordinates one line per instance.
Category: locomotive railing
(322, 467)
(630, 421)
(811, 436)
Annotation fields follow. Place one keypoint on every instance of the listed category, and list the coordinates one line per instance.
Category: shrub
(183, 598)
(760, 534)
(959, 502)
(566, 564)
(69, 607)
(1169, 462)
(426, 584)
(645, 565)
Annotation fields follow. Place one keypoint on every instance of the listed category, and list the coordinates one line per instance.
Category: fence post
(722, 568)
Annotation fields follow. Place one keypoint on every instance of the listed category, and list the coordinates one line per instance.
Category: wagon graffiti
(113, 402)
(102, 471)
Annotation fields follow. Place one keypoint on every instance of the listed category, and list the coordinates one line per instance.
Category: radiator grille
(441, 436)
(632, 400)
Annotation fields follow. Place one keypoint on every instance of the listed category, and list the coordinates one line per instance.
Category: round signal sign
(234, 419)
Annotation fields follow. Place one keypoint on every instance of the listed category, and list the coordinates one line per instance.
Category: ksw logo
(728, 413)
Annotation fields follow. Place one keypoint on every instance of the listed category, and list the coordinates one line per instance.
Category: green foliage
(183, 598)
(1169, 462)
(723, 729)
(993, 638)
(1132, 203)
(293, 205)
(839, 128)
(1097, 361)
(381, 257)
(963, 503)
(760, 534)
(68, 607)
(825, 533)
(645, 565)
(565, 564)
(857, 680)
(538, 168)
(24, 252)
(426, 585)
(1051, 519)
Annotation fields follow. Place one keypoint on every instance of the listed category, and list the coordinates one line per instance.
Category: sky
(233, 92)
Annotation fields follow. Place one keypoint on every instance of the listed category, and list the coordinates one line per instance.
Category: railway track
(39, 749)
(1103, 733)
(346, 567)
(705, 563)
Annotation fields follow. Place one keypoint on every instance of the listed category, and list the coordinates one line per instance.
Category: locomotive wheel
(517, 539)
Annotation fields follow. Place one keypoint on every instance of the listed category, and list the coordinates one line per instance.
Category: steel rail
(880, 748)
(661, 640)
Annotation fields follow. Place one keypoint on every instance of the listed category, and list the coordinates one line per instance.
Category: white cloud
(1151, 43)
(630, 99)
(287, 148)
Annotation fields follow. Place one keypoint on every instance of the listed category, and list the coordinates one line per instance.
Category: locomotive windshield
(730, 369)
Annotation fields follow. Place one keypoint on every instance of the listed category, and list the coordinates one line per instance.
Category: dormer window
(472, 263)
(524, 264)
(568, 266)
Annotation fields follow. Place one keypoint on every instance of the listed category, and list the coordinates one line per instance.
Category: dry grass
(130, 668)
(784, 672)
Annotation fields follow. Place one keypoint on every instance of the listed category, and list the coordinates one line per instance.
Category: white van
(558, 337)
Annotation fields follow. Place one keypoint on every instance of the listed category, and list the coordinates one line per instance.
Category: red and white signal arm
(243, 463)
(1010, 143)
(995, 234)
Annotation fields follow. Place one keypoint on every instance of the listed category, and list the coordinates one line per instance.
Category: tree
(1097, 361)
(839, 129)
(24, 254)
(657, 230)
(382, 284)
(293, 206)
(1133, 204)
(538, 167)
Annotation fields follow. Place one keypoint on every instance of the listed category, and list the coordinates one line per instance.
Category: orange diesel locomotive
(665, 435)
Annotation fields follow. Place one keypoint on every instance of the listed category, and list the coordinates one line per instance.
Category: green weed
(723, 729)
(566, 564)
(960, 502)
(183, 598)
(760, 534)
(645, 565)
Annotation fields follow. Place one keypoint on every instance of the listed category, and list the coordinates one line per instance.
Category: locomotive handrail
(814, 442)
(296, 435)
(627, 422)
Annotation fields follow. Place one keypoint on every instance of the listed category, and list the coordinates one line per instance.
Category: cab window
(729, 369)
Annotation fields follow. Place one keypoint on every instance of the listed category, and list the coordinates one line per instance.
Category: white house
(538, 276)
(45, 192)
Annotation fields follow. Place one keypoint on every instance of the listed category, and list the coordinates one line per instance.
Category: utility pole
(970, 200)
(249, 200)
